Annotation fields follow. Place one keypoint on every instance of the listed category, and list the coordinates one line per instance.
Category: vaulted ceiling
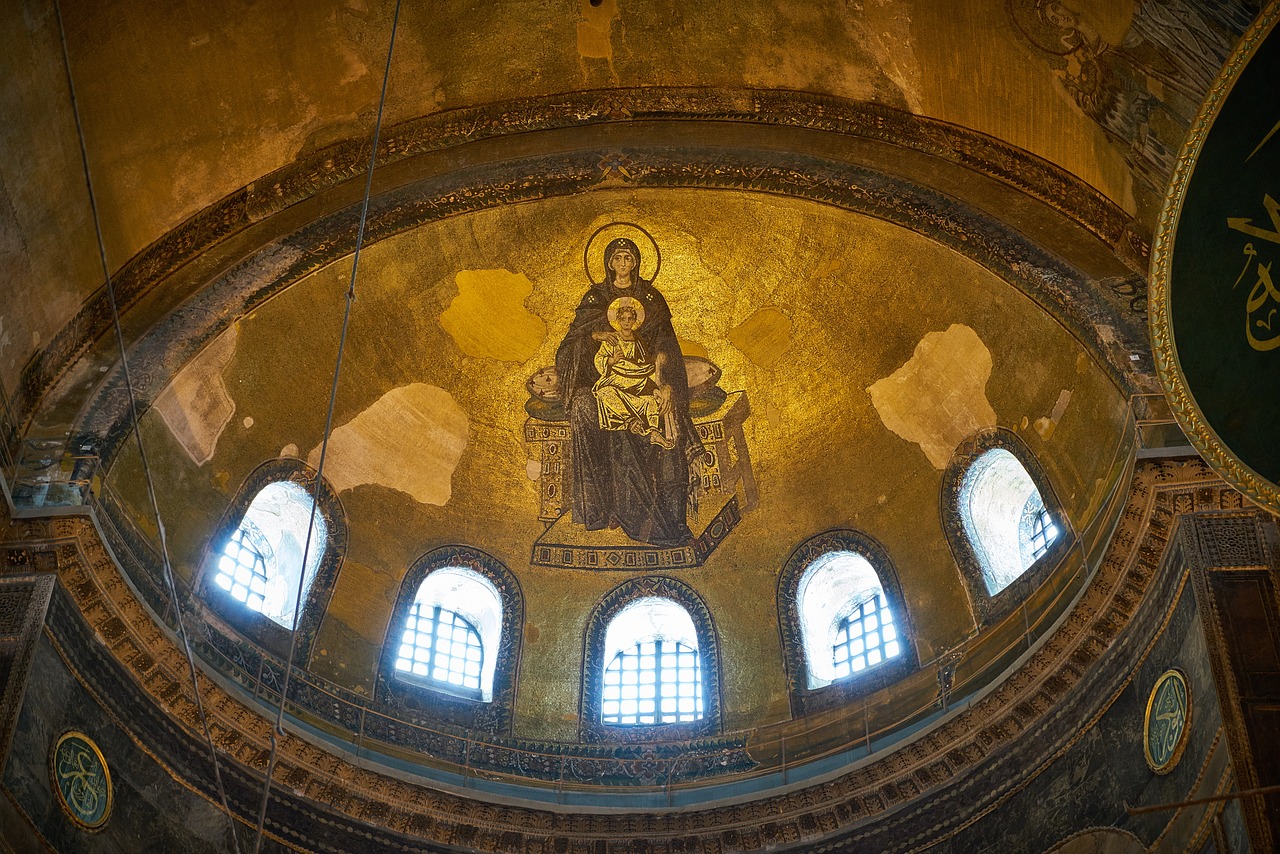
(889, 226)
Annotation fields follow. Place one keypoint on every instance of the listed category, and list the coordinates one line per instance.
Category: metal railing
(50, 475)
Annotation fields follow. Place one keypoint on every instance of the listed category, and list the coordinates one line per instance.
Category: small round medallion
(80, 777)
(1168, 722)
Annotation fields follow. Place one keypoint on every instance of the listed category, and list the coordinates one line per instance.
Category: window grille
(441, 646)
(653, 682)
(865, 638)
(242, 567)
(1043, 533)
(1002, 510)
(269, 558)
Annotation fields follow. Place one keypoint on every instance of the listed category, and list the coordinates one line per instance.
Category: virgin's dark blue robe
(620, 478)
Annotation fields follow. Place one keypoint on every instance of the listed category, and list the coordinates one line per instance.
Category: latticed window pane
(441, 646)
(242, 567)
(653, 682)
(866, 637)
(1043, 533)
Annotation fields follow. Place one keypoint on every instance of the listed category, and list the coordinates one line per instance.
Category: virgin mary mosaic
(632, 431)
(626, 396)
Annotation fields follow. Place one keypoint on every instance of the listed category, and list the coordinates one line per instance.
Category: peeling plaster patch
(410, 439)
(938, 397)
(248, 422)
(1046, 426)
(763, 337)
(595, 33)
(196, 406)
(290, 450)
(488, 318)
(772, 414)
(533, 469)
(887, 35)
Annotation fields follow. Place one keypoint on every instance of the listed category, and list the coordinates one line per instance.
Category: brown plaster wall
(47, 249)
(185, 104)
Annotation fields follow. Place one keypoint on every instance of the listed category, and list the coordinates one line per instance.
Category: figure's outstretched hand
(611, 337)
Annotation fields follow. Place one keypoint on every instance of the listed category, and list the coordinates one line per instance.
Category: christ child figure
(628, 395)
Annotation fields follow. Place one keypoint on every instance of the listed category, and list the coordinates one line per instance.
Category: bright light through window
(441, 646)
(845, 620)
(865, 638)
(242, 568)
(262, 563)
(1043, 533)
(452, 634)
(1004, 517)
(654, 670)
(655, 682)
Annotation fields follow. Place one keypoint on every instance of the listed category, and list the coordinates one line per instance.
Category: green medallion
(1164, 734)
(1215, 281)
(81, 779)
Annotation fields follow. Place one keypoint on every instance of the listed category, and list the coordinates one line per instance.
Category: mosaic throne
(728, 490)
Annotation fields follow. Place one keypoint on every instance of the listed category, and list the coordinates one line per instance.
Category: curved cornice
(864, 157)
(926, 789)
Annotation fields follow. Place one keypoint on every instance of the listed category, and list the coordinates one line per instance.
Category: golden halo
(630, 302)
(650, 255)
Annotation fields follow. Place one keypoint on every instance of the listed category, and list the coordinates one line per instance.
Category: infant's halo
(631, 302)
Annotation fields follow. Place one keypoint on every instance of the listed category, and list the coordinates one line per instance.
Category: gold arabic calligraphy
(1170, 715)
(1260, 326)
(81, 781)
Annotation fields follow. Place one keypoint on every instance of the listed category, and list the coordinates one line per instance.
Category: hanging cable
(166, 565)
(278, 729)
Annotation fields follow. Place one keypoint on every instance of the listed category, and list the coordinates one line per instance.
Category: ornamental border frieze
(1109, 332)
(330, 167)
(953, 771)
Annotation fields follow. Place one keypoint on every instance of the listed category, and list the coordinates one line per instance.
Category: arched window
(845, 618)
(844, 625)
(263, 561)
(1005, 518)
(654, 674)
(259, 557)
(1006, 528)
(453, 643)
(651, 668)
(451, 636)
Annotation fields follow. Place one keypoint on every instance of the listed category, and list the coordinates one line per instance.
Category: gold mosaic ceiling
(869, 334)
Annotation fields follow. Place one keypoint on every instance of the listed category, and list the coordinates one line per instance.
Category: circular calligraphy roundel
(1168, 722)
(1215, 276)
(80, 776)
